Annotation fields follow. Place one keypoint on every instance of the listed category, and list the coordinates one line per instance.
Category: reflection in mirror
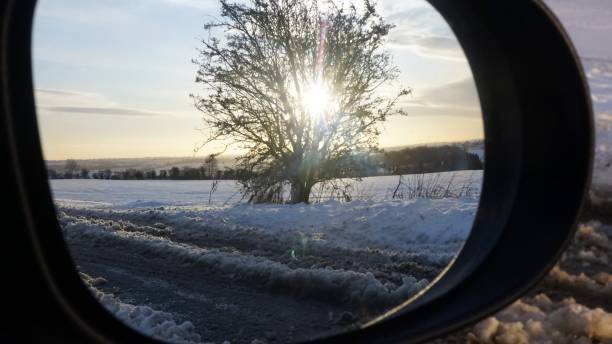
(259, 171)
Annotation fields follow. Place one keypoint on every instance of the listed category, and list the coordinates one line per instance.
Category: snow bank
(390, 224)
(598, 288)
(393, 225)
(538, 320)
(591, 252)
(594, 235)
(144, 319)
(320, 283)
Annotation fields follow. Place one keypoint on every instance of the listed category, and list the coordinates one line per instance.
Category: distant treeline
(174, 173)
(207, 171)
(431, 159)
(415, 160)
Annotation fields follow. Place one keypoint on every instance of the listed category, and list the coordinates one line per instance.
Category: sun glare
(318, 101)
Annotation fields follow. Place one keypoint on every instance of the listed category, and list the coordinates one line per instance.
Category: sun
(318, 101)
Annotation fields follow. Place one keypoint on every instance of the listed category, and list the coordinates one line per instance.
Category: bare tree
(299, 87)
(71, 169)
(210, 167)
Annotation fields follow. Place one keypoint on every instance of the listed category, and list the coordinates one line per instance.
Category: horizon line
(228, 155)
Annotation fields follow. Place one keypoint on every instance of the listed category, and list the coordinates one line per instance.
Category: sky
(589, 25)
(113, 77)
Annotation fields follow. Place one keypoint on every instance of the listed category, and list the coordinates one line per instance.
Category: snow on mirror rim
(194, 249)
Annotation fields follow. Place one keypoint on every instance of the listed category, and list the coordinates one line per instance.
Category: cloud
(58, 92)
(459, 95)
(197, 4)
(59, 101)
(116, 111)
(429, 46)
(420, 28)
(593, 15)
(49, 97)
(589, 24)
(74, 11)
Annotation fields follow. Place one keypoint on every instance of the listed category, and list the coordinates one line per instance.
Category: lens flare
(319, 102)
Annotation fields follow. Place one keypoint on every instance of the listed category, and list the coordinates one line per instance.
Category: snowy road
(219, 308)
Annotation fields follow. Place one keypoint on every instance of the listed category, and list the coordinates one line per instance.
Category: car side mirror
(538, 125)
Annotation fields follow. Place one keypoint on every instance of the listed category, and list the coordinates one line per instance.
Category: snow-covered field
(156, 193)
(240, 272)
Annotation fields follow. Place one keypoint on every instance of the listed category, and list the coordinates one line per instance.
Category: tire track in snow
(297, 250)
(220, 310)
(323, 284)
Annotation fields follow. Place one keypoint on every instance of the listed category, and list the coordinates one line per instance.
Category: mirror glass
(256, 171)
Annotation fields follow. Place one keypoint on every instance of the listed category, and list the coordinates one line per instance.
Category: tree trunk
(300, 191)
